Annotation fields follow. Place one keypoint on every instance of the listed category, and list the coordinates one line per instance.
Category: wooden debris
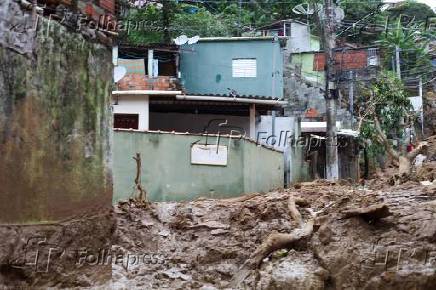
(370, 213)
(141, 193)
(275, 241)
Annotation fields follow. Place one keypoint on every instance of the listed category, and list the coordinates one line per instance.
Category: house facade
(304, 85)
(197, 106)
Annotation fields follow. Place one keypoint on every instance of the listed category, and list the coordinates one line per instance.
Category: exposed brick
(109, 5)
(95, 9)
(89, 9)
(142, 82)
(347, 60)
(311, 113)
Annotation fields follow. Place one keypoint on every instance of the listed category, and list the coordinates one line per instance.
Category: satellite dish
(194, 39)
(303, 8)
(119, 73)
(180, 40)
(339, 14)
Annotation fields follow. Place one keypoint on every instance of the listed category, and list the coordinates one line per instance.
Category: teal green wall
(206, 67)
(167, 173)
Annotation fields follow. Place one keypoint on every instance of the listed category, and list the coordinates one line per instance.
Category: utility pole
(331, 93)
(422, 106)
(239, 18)
(166, 21)
(34, 13)
(397, 58)
(351, 95)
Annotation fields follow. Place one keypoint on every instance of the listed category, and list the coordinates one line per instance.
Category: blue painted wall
(206, 67)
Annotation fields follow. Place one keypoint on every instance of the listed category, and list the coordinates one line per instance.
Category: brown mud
(373, 236)
(376, 237)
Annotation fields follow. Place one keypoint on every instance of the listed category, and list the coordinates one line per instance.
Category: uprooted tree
(385, 110)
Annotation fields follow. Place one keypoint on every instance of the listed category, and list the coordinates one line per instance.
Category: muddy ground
(37, 256)
(366, 236)
(203, 244)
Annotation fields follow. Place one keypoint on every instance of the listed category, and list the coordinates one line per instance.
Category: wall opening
(126, 121)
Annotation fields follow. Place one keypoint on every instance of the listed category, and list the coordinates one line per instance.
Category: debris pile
(363, 238)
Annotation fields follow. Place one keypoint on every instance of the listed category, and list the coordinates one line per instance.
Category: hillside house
(197, 106)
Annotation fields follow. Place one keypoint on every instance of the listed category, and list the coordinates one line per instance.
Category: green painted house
(238, 66)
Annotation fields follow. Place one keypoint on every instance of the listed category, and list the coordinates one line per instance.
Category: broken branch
(276, 241)
(141, 193)
(382, 137)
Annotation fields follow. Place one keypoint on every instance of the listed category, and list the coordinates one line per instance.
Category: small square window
(244, 68)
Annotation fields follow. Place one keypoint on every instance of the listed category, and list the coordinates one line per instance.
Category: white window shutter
(244, 68)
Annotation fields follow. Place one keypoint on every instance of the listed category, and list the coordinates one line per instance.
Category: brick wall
(97, 8)
(141, 82)
(348, 60)
(108, 5)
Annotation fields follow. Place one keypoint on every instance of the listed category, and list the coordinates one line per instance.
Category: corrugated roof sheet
(237, 96)
(240, 38)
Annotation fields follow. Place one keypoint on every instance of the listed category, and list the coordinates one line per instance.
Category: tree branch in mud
(276, 241)
(404, 162)
(384, 140)
(141, 194)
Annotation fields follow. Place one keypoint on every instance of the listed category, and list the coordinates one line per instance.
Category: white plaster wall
(284, 129)
(134, 105)
(300, 38)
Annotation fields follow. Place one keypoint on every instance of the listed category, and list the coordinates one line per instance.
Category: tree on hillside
(181, 19)
(420, 12)
(384, 111)
(167, 18)
(413, 41)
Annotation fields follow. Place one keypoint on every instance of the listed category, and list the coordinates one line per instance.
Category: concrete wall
(250, 168)
(55, 121)
(280, 136)
(207, 69)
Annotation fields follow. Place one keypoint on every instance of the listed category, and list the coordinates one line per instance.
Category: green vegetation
(385, 99)
(413, 41)
(231, 18)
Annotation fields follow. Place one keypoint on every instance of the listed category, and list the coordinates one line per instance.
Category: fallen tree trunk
(371, 213)
(276, 241)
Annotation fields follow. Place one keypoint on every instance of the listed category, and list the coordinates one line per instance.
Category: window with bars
(372, 57)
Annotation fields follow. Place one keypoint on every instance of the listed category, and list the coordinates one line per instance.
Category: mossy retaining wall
(55, 126)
